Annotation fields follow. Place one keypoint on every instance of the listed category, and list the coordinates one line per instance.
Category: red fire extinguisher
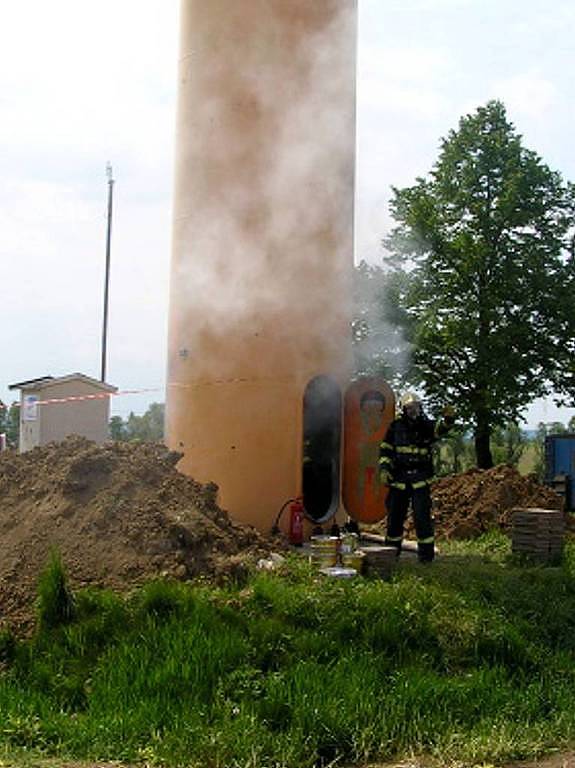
(296, 516)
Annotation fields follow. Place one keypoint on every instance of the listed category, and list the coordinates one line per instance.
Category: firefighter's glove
(448, 414)
(384, 477)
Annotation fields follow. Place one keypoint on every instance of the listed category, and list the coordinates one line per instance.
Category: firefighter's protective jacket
(405, 455)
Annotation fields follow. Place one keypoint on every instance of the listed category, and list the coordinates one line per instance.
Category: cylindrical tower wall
(263, 238)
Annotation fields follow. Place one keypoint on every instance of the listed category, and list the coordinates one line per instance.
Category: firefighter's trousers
(398, 502)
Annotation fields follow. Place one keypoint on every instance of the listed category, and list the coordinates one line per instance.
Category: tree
(150, 426)
(454, 454)
(483, 253)
(508, 444)
(118, 428)
(13, 425)
(10, 423)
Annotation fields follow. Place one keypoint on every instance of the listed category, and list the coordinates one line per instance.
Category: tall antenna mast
(107, 277)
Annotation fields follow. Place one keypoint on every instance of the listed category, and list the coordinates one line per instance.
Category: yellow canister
(353, 560)
(323, 552)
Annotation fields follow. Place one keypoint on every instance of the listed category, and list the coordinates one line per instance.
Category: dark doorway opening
(322, 405)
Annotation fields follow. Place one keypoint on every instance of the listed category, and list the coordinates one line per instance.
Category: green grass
(55, 600)
(470, 660)
(529, 459)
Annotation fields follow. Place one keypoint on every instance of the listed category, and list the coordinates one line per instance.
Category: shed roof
(29, 383)
(44, 382)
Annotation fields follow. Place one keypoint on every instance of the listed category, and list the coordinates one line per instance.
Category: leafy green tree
(118, 428)
(508, 444)
(3, 417)
(13, 427)
(454, 454)
(149, 426)
(482, 265)
(10, 423)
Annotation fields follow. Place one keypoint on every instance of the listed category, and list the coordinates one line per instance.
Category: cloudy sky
(83, 83)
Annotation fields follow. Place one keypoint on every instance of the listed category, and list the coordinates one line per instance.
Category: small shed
(51, 408)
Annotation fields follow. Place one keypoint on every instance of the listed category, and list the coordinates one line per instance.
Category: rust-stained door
(369, 408)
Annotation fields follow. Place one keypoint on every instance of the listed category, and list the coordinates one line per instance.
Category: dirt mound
(119, 514)
(469, 504)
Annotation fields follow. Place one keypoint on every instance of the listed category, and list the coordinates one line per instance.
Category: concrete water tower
(259, 326)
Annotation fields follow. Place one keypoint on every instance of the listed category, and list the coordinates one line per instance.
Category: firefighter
(406, 465)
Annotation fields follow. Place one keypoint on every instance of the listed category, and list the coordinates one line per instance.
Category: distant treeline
(10, 423)
(524, 449)
(512, 445)
(149, 426)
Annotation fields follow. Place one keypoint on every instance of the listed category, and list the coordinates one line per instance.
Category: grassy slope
(471, 659)
(528, 461)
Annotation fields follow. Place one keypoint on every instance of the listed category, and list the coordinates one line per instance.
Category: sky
(85, 83)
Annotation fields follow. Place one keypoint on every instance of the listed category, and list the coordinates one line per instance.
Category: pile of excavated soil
(478, 500)
(118, 514)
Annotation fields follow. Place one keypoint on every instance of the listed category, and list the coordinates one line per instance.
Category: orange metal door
(369, 408)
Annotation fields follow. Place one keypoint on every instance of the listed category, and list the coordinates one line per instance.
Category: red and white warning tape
(75, 398)
(102, 395)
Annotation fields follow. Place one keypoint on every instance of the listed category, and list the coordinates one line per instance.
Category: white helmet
(409, 398)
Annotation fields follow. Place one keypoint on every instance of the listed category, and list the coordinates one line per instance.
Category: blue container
(560, 460)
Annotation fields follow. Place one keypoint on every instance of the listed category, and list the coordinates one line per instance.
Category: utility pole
(107, 278)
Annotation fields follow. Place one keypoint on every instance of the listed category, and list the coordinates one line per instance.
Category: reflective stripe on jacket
(405, 454)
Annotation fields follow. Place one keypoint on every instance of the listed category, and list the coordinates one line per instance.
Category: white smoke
(264, 195)
(380, 344)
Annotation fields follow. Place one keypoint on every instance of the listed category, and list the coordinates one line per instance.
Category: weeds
(55, 600)
(7, 648)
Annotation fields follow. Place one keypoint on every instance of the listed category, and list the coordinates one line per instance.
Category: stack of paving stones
(379, 560)
(538, 534)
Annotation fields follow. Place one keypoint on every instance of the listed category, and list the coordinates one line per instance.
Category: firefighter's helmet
(409, 398)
